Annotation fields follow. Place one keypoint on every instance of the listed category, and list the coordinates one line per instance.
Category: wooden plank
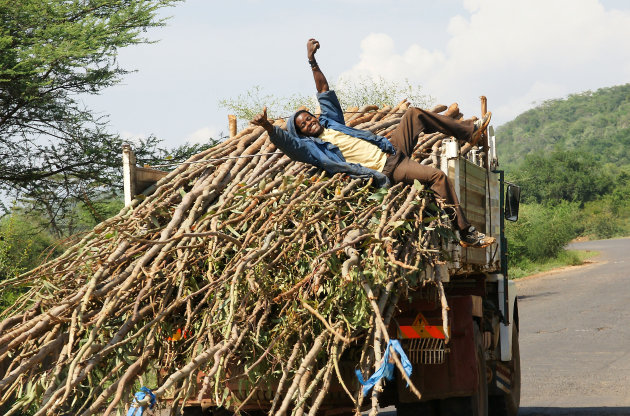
(135, 178)
(149, 175)
(480, 203)
(473, 193)
(473, 201)
(129, 173)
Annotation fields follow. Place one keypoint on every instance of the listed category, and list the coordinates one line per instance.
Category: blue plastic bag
(140, 398)
(386, 369)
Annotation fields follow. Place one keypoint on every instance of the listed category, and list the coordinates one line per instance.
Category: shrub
(21, 245)
(608, 216)
(541, 232)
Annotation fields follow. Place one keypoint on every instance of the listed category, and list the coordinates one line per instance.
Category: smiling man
(327, 143)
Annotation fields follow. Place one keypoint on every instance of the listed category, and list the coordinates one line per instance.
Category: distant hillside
(596, 122)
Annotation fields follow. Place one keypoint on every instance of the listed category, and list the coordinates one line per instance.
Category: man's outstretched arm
(320, 80)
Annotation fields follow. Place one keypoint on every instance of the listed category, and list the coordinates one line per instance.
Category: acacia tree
(54, 151)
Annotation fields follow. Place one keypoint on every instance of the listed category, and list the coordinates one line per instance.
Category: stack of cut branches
(238, 274)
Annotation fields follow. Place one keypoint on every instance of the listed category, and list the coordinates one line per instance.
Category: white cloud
(513, 52)
(538, 92)
(379, 58)
(202, 135)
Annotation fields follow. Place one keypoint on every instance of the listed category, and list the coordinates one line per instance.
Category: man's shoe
(473, 238)
(480, 126)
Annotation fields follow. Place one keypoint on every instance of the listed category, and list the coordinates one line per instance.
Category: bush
(565, 258)
(605, 218)
(21, 245)
(11, 254)
(541, 232)
(604, 226)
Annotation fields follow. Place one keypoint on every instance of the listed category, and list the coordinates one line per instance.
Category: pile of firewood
(243, 266)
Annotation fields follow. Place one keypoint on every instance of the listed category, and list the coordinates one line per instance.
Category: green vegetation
(61, 167)
(563, 259)
(27, 239)
(541, 232)
(595, 123)
(56, 152)
(23, 246)
(562, 175)
(357, 92)
(571, 159)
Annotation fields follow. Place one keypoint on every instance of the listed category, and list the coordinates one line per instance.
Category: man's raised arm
(320, 80)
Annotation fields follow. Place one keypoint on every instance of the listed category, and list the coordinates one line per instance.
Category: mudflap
(457, 375)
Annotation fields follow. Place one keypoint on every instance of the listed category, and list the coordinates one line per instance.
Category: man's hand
(311, 47)
(320, 80)
(262, 121)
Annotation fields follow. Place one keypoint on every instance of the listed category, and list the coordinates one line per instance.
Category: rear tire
(428, 408)
(479, 400)
(199, 411)
(477, 404)
(507, 404)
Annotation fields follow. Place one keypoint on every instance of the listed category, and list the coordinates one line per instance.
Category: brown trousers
(400, 168)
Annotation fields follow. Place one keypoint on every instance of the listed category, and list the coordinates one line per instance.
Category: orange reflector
(421, 329)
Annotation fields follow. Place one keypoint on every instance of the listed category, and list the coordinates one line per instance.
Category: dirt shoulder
(558, 270)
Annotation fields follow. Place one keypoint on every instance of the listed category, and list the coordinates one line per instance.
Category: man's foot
(452, 110)
(473, 238)
(480, 126)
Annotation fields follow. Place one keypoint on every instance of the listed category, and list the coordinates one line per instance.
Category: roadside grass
(563, 259)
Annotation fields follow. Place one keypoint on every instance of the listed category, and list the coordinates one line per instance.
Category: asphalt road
(575, 336)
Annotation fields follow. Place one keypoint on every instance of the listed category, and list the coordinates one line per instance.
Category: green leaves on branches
(53, 149)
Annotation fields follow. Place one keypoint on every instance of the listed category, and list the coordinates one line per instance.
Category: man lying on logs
(327, 143)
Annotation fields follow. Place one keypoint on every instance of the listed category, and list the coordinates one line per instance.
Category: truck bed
(478, 191)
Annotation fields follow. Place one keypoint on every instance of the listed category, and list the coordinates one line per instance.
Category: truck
(471, 365)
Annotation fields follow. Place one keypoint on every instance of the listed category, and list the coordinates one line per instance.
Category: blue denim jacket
(326, 155)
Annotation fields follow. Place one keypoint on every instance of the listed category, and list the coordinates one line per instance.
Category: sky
(516, 53)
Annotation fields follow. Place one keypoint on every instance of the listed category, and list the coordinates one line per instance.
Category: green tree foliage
(597, 123)
(27, 240)
(609, 216)
(572, 176)
(49, 53)
(56, 153)
(570, 157)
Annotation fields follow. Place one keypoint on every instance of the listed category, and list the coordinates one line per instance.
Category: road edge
(559, 270)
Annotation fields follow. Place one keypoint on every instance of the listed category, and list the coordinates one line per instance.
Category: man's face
(308, 125)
